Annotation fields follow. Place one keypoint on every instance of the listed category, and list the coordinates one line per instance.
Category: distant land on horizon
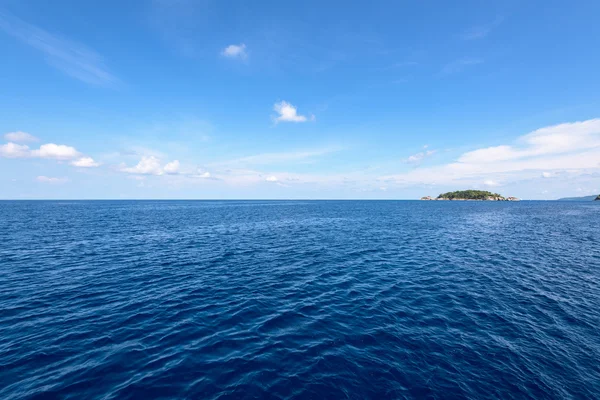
(583, 198)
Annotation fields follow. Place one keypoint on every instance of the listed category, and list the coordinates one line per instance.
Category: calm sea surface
(292, 299)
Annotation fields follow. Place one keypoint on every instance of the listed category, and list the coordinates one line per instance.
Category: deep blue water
(281, 300)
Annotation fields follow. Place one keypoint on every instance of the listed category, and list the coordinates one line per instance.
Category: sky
(182, 99)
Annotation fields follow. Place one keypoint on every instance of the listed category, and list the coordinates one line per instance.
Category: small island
(597, 198)
(480, 195)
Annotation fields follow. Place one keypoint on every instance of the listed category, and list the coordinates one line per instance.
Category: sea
(299, 300)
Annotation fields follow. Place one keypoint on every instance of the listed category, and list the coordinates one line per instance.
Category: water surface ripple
(286, 300)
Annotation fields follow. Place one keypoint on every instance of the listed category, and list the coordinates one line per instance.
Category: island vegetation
(470, 195)
(597, 198)
(482, 195)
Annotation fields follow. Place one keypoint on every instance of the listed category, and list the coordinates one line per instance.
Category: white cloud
(558, 139)
(418, 157)
(491, 183)
(151, 165)
(51, 151)
(288, 113)
(547, 174)
(272, 179)
(172, 167)
(235, 51)
(13, 150)
(572, 147)
(20, 137)
(148, 165)
(46, 179)
(205, 175)
(71, 58)
(85, 162)
(55, 151)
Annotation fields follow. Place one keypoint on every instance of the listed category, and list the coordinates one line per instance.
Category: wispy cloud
(398, 65)
(481, 31)
(179, 22)
(459, 65)
(277, 158)
(73, 59)
(20, 137)
(288, 113)
(417, 158)
(237, 51)
(558, 139)
(51, 180)
(573, 147)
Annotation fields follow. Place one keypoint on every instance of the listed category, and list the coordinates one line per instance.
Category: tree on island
(470, 195)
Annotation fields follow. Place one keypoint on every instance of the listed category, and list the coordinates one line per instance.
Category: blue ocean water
(299, 299)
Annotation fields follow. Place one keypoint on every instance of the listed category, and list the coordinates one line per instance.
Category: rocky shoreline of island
(471, 195)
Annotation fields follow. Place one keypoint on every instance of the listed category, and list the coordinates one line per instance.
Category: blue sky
(385, 100)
